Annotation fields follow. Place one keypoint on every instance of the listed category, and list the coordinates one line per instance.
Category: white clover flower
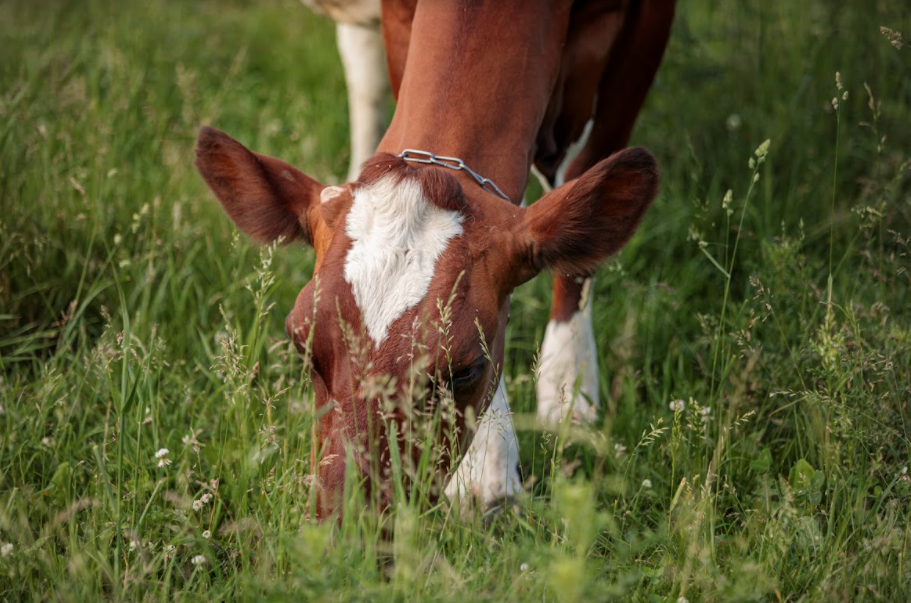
(197, 505)
(647, 483)
(207, 534)
(523, 567)
(162, 456)
(198, 560)
(6, 549)
(677, 405)
(205, 498)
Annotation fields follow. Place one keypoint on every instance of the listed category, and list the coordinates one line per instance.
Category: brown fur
(473, 80)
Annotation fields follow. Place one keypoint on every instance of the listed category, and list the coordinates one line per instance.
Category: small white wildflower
(523, 567)
(705, 410)
(207, 534)
(682, 600)
(118, 239)
(619, 449)
(205, 498)
(6, 549)
(197, 505)
(647, 483)
(677, 405)
(45, 441)
(185, 440)
(733, 122)
(905, 470)
(198, 560)
(162, 456)
(133, 545)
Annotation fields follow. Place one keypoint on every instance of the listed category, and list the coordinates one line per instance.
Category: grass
(134, 319)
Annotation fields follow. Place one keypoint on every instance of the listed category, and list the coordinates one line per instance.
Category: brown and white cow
(498, 84)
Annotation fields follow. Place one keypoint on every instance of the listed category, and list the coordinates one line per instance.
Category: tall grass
(755, 337)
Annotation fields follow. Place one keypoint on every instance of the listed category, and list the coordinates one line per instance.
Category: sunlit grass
(755, 335)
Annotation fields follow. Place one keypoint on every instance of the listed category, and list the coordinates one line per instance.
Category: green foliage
(755, 338)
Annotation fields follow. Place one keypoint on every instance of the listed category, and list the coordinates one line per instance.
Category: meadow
(754, 337)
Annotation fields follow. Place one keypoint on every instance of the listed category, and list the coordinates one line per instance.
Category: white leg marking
(397, 236)
(572, 152)
(490, 468)
(569, 360)
(364, 60)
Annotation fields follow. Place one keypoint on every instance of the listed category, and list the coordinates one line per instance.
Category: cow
(431, 230)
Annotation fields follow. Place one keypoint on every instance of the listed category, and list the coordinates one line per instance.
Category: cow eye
(469, 375)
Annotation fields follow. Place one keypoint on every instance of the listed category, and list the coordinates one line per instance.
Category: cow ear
(266, 197)
(578, 225)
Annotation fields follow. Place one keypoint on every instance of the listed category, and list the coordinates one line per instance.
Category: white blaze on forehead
(397, 236)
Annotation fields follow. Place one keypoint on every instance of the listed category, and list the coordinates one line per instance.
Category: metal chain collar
(453, 163)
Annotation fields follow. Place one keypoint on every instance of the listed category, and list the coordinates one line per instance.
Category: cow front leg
(567, 380)
(489, 471)
(364, 61)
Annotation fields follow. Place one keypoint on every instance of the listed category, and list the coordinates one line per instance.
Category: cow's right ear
(266, 197)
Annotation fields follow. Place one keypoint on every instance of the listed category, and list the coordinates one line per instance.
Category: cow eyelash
(469, 374)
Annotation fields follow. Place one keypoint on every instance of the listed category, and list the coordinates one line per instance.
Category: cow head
(413, 277)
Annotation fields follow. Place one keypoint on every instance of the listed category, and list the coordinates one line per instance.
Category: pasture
(754, 336)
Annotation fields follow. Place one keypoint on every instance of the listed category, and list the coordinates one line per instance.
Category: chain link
(453, 163)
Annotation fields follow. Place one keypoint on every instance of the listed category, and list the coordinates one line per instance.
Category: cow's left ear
(266, 197)
(578, 225)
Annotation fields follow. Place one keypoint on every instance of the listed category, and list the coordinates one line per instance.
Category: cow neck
(477, 88)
